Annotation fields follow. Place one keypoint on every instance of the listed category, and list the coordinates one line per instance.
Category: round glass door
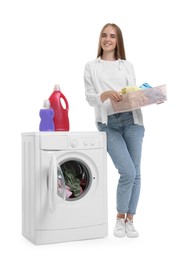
(73, 179)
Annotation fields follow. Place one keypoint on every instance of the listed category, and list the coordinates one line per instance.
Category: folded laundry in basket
(145, 86)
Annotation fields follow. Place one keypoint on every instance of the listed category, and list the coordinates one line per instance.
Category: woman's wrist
(104, 96)
(112, 94)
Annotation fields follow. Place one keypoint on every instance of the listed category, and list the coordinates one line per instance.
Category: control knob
(73, 143)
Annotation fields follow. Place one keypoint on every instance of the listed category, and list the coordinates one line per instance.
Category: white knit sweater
(100, 76)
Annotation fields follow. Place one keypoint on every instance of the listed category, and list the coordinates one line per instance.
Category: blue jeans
(124, 145)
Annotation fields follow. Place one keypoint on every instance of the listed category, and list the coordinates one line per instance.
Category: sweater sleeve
(131, 75)
(92, 96)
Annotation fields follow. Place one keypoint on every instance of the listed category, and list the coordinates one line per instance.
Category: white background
(48, 42)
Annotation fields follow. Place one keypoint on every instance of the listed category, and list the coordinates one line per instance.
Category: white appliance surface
(51, 161)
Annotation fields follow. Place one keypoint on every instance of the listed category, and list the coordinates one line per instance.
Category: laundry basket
(141, 98)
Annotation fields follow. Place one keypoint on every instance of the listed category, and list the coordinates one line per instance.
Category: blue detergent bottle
(46, 114)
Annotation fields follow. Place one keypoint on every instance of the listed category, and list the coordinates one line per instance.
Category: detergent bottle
(46, 114)
(61, 120)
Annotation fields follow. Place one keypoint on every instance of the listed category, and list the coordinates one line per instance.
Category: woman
(104, 78)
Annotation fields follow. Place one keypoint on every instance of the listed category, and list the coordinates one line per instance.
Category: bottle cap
(56, 87)
(46, 103)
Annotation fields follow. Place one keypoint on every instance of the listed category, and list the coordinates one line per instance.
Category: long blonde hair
(120, 50)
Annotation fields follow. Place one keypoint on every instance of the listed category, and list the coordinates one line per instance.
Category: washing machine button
(74, 143)
(92, 143)
(85, 143)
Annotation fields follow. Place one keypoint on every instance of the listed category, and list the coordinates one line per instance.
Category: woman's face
(108, 39)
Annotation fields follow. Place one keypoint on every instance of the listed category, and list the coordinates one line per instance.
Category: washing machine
(64, 186)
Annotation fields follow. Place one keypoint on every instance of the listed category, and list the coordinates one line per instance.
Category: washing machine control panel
(84, 142)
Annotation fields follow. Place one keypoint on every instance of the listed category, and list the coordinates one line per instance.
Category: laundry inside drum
(73, 180)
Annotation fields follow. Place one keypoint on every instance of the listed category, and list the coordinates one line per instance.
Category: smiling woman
(111, 33)
(104, 77)
(108, 43)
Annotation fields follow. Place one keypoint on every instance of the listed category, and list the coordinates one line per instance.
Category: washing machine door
(57, 208)
(56, 184)
(68, 180)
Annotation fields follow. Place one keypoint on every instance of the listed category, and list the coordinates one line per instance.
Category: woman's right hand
(111, 94)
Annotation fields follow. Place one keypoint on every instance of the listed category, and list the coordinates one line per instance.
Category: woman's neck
(108, 56)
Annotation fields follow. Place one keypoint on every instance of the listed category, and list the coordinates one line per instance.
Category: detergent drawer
(53, 142)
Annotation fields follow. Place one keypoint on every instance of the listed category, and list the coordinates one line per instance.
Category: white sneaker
(119, 230)
(130, 229)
